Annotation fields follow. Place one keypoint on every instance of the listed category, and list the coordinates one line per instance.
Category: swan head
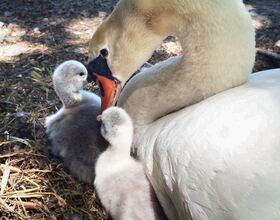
(68, 79)
(117, 128)
(125, 49)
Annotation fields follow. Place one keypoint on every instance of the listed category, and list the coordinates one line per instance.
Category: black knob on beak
(98, 66)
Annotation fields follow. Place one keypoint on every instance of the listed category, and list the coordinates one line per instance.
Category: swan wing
(219, 159)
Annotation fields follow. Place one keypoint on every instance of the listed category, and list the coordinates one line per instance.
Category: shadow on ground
(266, 17)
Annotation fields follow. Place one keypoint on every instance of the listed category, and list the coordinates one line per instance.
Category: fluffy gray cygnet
(73, 131)
(120, 181)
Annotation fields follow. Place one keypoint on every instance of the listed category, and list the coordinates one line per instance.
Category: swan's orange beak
(110, 91)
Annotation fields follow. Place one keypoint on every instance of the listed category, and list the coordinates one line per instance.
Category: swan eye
(81, 74)
(104, 52)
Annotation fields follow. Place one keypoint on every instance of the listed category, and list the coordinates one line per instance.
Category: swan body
(218, 159)
(73, 130)
(120, 181)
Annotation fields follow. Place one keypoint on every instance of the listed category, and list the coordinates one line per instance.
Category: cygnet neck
(69, 97)
(122, 144)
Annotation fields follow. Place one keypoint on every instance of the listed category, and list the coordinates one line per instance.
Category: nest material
(32, 187)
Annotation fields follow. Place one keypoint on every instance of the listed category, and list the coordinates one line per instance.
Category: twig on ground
(269, 54)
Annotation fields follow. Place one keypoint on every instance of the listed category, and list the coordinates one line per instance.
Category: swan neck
(218, 54)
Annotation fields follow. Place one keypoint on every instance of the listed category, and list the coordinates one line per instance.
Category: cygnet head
(117, 128)
(68, 79)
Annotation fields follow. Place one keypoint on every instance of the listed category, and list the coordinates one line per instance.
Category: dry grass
(32, 187)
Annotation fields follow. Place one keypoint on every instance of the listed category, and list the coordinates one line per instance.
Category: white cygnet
(120, 181)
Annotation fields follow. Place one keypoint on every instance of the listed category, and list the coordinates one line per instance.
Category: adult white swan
(216, 159)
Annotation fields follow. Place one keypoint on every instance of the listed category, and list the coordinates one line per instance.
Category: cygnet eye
(81, 74)
(104, 52)
(103, 129)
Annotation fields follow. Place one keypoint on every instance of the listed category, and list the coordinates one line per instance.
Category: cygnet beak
(99, 118)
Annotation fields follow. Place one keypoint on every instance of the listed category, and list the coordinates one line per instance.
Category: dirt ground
(35, 36)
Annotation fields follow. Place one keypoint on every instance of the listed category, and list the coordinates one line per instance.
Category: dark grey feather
(75, 137)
